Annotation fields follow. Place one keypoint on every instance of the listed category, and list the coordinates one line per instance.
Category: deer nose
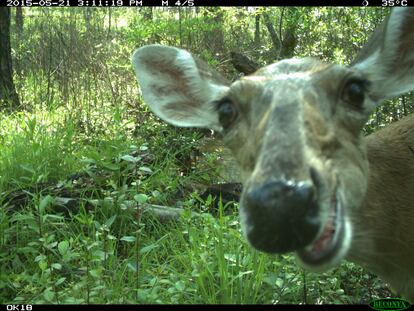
(280, 216)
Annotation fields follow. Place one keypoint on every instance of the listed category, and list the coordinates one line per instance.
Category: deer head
(294, 128)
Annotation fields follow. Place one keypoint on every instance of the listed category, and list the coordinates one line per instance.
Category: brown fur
(383, 238)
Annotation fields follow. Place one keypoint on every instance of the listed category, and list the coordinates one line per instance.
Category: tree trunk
(8, 95)
(180, 30)
(214, 38)
(289, 34)
(108, 36)
(19, 31)
(148, 14)
(242, 63)
(288, 42)
(257, 30)
(283, 44)
(273, 35)
(19, 21)
(87, 14)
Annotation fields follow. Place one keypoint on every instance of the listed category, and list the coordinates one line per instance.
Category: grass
(114, 253)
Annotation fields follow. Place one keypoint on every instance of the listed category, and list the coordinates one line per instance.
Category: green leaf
(130, 158)
(45, 202)
(60, 281)
(48, 294)
(111, 237)
(40, 257)
(133, 266)
(98, 254)
(95, 273)
(63, 247)
(110, 221)
(88, 161)
(179, 285)
(42, 265)
(128, 238)
(145, 169)
(27, 168)
(148, 248)
(141, 198)
(57, 266)
(110, 166)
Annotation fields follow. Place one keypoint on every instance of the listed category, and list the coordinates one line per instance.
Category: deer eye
(227, 112)
(354, 93)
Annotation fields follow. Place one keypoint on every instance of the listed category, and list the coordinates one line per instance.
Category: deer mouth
(332, 243)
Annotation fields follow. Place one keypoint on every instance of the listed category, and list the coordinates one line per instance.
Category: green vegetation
(82, 155)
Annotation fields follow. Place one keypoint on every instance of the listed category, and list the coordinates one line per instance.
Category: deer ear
(387, 60)
(178, 88)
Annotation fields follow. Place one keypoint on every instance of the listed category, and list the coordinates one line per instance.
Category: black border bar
(138, 307)
(193, 3)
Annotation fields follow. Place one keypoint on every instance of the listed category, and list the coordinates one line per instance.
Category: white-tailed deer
(312, 183)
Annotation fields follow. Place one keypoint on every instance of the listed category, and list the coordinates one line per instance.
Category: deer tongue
(326, 246)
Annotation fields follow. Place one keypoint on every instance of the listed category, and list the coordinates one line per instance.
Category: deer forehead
(294, 67)
(292, 78)
(300, 85)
